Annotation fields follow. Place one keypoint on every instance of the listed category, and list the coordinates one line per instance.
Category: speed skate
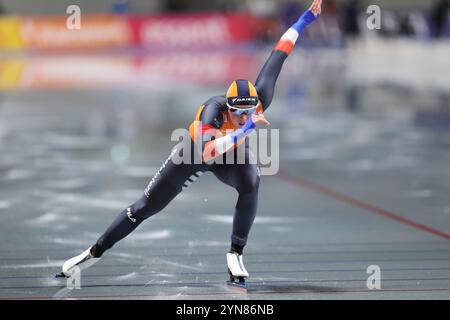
(78, 263)
(237, 272)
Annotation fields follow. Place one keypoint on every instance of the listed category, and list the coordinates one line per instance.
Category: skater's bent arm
(221, 144)
(265, 83)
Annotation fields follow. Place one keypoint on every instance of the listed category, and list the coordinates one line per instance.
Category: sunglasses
(240, 112)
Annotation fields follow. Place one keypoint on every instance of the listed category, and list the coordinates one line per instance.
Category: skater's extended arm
(265, 83)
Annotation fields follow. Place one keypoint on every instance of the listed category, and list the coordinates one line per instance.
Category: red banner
(199, 30)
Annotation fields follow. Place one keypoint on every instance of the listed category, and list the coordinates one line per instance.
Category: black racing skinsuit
(171, 179)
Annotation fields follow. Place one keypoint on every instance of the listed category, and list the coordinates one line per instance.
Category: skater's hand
(259, 117)
(316, 7)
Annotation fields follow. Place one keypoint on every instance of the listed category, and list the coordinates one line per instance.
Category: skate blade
(60, 276)
(237, 287)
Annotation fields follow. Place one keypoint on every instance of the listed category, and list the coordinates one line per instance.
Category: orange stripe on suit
(285, 45)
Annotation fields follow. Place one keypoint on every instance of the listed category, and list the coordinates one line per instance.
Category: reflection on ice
(56, 263)
(4, 204)
(153, 235)
(228, 219)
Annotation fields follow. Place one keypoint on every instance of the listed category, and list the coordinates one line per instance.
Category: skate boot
(82, 261)
(237, 272)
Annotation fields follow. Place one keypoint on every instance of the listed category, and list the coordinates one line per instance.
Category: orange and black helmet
(242, 94)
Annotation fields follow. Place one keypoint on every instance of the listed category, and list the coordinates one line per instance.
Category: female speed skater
(239, 111)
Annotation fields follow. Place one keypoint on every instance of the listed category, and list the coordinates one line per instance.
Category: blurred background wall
(143, 47)
(141, 6)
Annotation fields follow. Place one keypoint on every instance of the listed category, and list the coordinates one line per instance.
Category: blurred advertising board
(10, 37)
(109, 31)
(176, 47)
(51, 33)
